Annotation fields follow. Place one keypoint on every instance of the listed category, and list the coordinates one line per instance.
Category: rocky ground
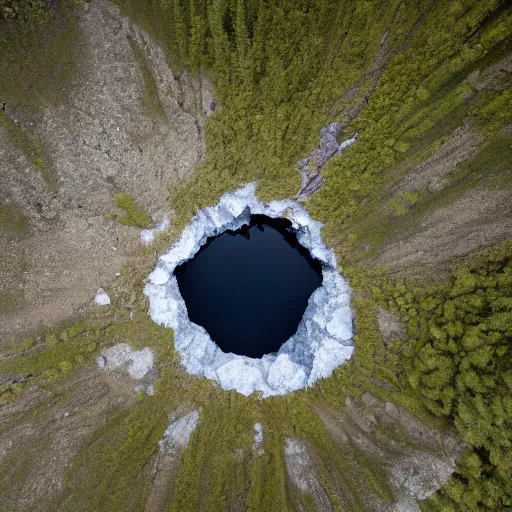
(132, 126)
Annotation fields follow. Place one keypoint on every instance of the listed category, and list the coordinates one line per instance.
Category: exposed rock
(178, 433)
(480, 218)
(389, 325)
(102, 140)
(311, 166)
(257, 448)
(417, 460)
(435, 171)
(43, 448)
(420, 474)
(165, 463)
(302, 473)
(140, 361)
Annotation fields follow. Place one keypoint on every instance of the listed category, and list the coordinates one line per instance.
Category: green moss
(132, 215)
(151, 99)
(10, 301)
(51, 374)
(460, 352)
(24, 9)
(66, 366)
(31, 149)
(403, 201)
(27, 343)
(51, 359)
(13, 222)
(496, 113)
(40, 55)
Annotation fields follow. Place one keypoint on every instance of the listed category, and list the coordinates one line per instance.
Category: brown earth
(108, 138)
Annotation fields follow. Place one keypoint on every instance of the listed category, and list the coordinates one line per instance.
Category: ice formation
(323, 339)
(148, 235)
(257, 447)
(101, 299)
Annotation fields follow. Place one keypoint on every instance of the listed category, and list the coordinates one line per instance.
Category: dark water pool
(249, 288)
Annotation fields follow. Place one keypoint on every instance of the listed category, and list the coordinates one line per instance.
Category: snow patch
(148, 235)
(347, 143)
(323, 339)
(258, 435)
(101, 299)
(140, 362)
(257, 447)
(177, 434)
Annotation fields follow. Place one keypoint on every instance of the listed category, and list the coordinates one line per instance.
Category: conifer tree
(180, 32)
(197, 35)
(217, 11)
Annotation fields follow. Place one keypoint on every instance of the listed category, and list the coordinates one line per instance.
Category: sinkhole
(249, 287)
(254, 298)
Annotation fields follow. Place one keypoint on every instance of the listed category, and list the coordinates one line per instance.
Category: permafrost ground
(323, 339)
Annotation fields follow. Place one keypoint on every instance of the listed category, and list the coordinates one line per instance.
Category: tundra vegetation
(404, 75)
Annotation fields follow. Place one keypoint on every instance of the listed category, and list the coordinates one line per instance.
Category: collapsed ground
(100, 122)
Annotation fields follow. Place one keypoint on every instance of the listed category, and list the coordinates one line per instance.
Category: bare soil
(103, 141)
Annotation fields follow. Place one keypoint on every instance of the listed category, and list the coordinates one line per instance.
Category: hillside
(117, 115)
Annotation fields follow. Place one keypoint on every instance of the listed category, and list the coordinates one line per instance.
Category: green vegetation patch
(459, 366)
(13, 222)
(39, 51)
(30, 147)
(24, 9)
(132, 214)
(49, 360)
(151, 99)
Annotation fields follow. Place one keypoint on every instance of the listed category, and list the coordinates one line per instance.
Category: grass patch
(132, 214)
(39, 55)
(150, 99)
(61, 352)
(13, 222)
(31, 149)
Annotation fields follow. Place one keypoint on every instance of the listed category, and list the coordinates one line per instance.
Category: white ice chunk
(329, 355)
(340, 325)
(257, 447)
(237, 374)
(101, 299)
(159, 276)
(347, 143)
(258, 435)
(285, 376)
